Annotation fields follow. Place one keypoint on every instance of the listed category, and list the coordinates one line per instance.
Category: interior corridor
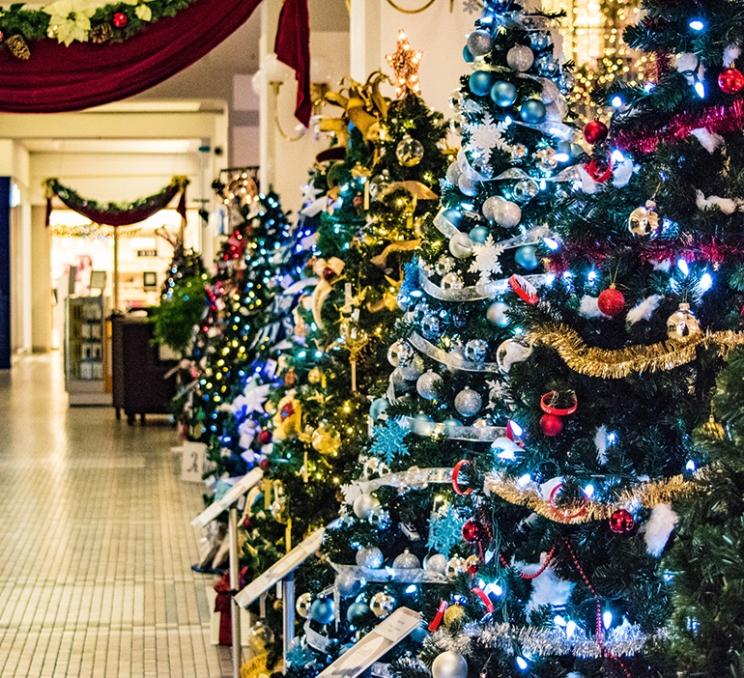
(95, 542)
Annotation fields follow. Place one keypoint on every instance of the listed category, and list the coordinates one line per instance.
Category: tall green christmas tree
(708, 597)
(611, 366)
(238, 300)
(379, 194)
(407, 533)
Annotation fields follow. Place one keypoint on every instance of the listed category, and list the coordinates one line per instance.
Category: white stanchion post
(232, 535)
(288, 613)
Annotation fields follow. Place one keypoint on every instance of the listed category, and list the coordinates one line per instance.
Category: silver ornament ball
(409, 151)
(520, 58)
(449, 665)
(428, 385)
(436, 563)
(461, 246)
(475, 350)
(468, 402)
(370, 557)
(452, 281)
(479, 42)
(407, 561)
(498, 314)
(364, 504)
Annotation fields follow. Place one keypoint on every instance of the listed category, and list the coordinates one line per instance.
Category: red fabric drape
(120, 217)
(292, 47)
(59, 78)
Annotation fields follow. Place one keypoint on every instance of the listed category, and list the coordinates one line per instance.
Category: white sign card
(229, 498)
(280, 569)
(193, 461)
(375, 644)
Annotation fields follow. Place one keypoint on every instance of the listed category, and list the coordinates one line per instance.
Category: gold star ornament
(405, 62)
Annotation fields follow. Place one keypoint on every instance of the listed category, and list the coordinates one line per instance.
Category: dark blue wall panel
(4, 272)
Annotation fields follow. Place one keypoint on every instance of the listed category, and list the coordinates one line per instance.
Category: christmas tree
(379, 196)
(238, 303)
(181, 302)
(409, 534)
(566, 522)
(708, 635)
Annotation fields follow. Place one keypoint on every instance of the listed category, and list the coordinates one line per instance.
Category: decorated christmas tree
(409, 534)
(238, 306)
(379, 195)
(708, 635)
(181, 298)
(566, 523)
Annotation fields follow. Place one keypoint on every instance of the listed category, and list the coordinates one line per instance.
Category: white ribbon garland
(475, 292)
(388, 574)
(453, 361)
(478, 434)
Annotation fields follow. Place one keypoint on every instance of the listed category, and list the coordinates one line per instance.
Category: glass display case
(86, 363)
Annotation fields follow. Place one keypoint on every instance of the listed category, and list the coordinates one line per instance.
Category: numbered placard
(280, 569)
(193, 461)
(379, 641)
(229, 498)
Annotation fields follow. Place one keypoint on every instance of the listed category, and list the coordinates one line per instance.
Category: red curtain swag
(58, 78)
(117, 215)
(292, 47)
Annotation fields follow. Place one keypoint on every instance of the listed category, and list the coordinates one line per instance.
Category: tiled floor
(95, 542)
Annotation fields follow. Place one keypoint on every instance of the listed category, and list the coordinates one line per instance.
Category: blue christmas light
(697, 25)
(616, 101)
(706, 281)
(700, 89)
(683, 267)
(607, 619)
(522, 663)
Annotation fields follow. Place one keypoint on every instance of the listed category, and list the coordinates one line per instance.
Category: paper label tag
(374, 645)
(280, 569)
(229, 498)
(193, 462)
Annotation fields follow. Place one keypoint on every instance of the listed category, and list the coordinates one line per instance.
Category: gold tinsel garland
(622, 362)
(578, 512)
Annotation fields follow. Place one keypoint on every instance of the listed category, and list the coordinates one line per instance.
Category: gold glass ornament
(644, 221)
(381, 604)
(326, 439)
(314, 375)
(714, 429)
(302, 606)
(455, 567)
(682, 325)
(454, 614)
(409, 151)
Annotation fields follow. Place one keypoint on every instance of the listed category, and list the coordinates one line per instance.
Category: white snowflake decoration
(253, 398)
(486, 259)
(486, 135)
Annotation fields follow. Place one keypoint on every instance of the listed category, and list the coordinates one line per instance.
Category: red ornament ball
(611, 301)
(599, 171)
(595, 131)
(472, 531)
(551, 425)
(264, 437)
(329, 273)
(264, 464)
(120, 20)
(621, 522)
(731, 80)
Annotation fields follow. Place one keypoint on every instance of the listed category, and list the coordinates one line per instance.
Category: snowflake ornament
(389, 441)
(486, 259)
(445, 530)
(497, 393)
(252, 399)
(486, 135)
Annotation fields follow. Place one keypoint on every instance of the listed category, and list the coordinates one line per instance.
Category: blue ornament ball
(321, 610)
(526, 258)
(453, 216)
(479, 234)
(503, 93)
(467, 55)
(358, 613)
(451, 421)
(532, 111)
(480, 83)
(377, 408)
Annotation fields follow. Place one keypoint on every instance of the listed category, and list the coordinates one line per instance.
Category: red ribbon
(455, 478)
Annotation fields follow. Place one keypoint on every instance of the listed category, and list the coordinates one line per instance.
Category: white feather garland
(658, 528)
(643, 310)
(589, 308)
